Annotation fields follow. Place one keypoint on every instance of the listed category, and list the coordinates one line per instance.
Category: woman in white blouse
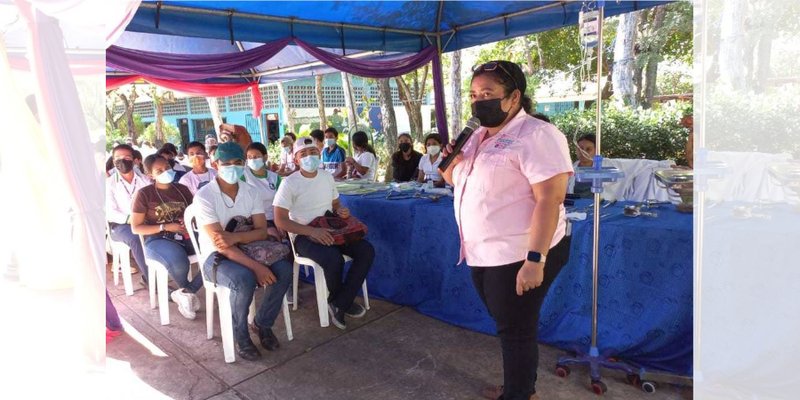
(429, 163)
(365, 162)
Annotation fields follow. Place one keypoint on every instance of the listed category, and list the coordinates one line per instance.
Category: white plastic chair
(224, 300)
(320, 284)
(120, 263)
(158, 280)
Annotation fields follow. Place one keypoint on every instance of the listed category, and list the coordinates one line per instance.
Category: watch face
(534, 256)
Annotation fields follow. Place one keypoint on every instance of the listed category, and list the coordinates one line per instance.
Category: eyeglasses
(493, 65)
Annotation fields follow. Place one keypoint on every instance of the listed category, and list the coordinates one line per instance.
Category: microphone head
(473, 123)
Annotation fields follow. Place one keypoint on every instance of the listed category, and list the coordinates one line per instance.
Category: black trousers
(517, 317)
(341, 294)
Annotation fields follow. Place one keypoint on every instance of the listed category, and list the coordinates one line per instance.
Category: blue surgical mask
(255, 163)
(231, 173)
(330, 142)
(310, 163)
(166, 177)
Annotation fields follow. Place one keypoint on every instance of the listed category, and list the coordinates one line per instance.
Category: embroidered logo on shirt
(503, 143)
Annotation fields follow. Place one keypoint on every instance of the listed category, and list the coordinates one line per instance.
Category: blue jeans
(122, 233)
(174, 256)
(242, 283)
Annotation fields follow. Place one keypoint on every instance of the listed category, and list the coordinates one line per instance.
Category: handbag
(344, 231)
(266, 252)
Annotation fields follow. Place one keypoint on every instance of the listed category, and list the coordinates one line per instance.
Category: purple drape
(371, 69)
(190, 67)
(438, 96)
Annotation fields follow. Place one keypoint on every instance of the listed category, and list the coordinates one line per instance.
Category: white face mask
(287, 149)
(330, 142)
(434, 150)
(255, 164)
(166, 177)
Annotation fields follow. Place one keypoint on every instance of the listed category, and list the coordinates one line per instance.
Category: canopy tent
(390, 28)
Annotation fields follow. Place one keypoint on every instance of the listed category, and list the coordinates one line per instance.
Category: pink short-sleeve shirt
(493, 198)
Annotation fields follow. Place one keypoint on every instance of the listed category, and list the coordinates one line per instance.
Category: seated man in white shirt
(200, 174)
(217, 203)
(300, 199)
(121, 186)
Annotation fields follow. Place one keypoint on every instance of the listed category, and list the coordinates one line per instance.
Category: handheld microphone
(472, 124)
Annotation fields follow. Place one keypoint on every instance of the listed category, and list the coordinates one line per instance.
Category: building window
(199, 105)
(176, 108)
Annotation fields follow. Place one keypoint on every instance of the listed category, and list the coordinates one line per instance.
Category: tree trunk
(624, 92)
(526, 44)
(608, 88)
(388, 121)
(731, 49)
(350, 104)
(159, 102)
(288, 114)
(213, 105)
(539, 51)
(412, 106)
(323, 121)
(130, 102)
(651, 70)
(763, 56)
(455, 88)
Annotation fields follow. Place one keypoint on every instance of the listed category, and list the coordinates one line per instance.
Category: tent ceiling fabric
(398, 26)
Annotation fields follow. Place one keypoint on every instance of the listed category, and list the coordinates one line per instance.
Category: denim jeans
(331, 260)
(517, 317)
(174, 256)
(242, 283)
(122, 233)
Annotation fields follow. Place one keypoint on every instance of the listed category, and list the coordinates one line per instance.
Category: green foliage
(120, 132)
(674, 83)
(653, 134)
(171, 133)
(113, 135)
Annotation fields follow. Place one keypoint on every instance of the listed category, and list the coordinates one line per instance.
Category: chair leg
(366, 295)
(322, 296)
(125, 267)
(226, 324)
(295, 282)
(287, 319)
(251, 315)
(163, 301)
(210, 292)
(151, 283)
(115, 267)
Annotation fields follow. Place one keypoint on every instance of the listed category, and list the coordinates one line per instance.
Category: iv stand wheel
(599, 388)
(562, 371)
(649, 387)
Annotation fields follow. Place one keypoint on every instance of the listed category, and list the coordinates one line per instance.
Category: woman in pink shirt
(510, 180)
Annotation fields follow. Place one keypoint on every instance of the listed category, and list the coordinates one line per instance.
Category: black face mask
(490, 112)
(404, 147)
(123, 166)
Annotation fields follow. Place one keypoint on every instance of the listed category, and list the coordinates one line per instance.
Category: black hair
(541, 116)
(257, 146)
(171, 147)
(195, 144)
(318, 134)
(361, 140)
(148, 162)
(137, 155)
(291, 135)
(163, 151)
(333, 131)
(122, 147)
(510, 76)
(212, 148)
(406, 134)
(590, 137)
(110, 163)
(434, 136)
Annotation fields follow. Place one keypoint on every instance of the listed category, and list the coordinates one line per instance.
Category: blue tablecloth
(645, 300)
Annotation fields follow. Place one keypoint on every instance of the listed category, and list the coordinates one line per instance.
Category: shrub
(653, 134)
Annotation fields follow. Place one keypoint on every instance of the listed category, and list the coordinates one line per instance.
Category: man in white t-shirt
(200, 174)
(216, 204)
(301, 198)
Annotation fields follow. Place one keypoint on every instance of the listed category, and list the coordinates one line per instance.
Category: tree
(323, 122)
(624, 91)
(411, 89)
(350, 104)
(127, 97)
(455, 87)
(160, 96)
(388, 120)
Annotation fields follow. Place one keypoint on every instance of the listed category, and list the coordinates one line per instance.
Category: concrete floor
(392, 353)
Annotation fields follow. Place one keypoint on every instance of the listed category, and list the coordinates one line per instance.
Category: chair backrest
(191, 227)
(291, 242)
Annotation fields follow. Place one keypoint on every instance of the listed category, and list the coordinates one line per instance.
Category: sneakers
(356, 311)
(337, 316)
(184, 300)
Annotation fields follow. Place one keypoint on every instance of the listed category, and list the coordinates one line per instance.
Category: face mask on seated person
(330, 142)
(123, 166)
(404, 147)
(309, 163)
(231, 173)
(433, 150)
(166, 177)
(255, 164)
